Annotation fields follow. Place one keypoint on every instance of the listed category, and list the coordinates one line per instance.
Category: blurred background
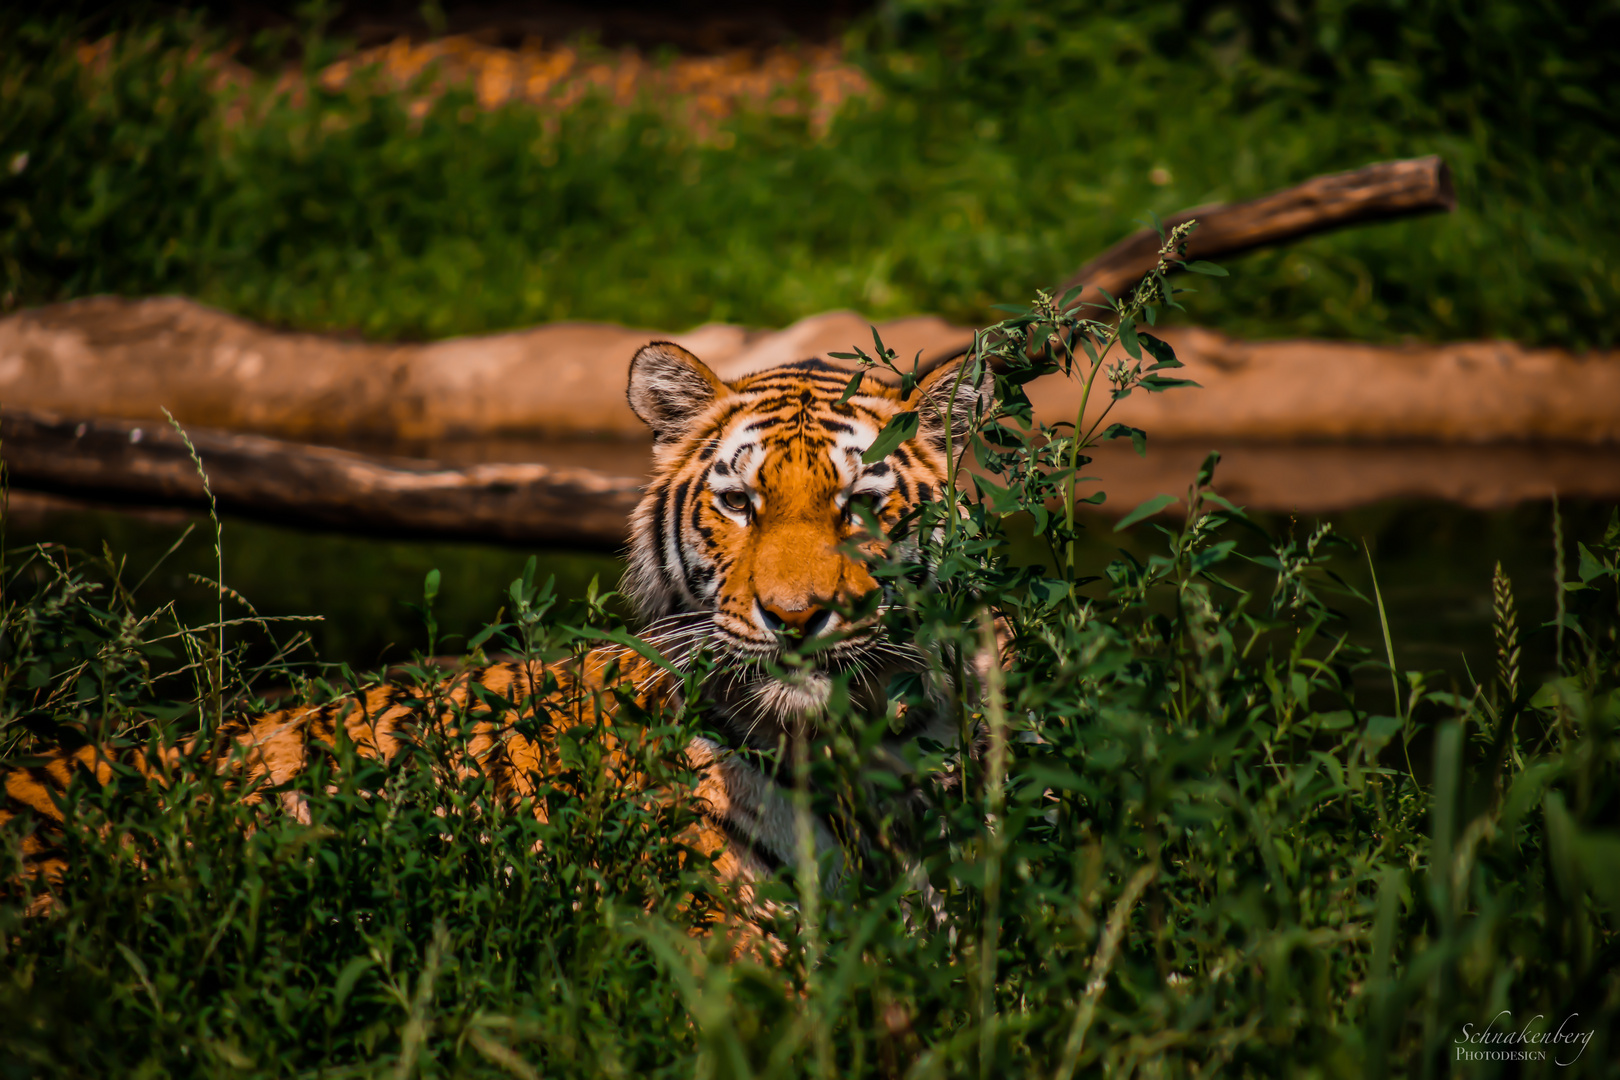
(399, 172)
(416, 171)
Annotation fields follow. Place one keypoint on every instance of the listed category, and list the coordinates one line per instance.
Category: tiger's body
(741, 545)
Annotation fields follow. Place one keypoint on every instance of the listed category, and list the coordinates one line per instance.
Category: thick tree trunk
(1389, 189)
(293, 484)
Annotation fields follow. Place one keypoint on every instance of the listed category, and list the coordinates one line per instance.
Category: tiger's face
(750, 539)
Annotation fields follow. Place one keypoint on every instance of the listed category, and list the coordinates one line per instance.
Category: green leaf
(851, 386)
(1211, 556)
(625, 638)
(882, 350)
(1550, 695)
(1056, 777)
(1091, 351)
(1198, 266)
(1146, 510)
(430, 586)
(1160, 351)
(1561, 836)
(1127, 338)
(1137, 436)
(895, 432)
(1379, 730)
(346, 979)
(1590, 566)
(1051, 590)
(1002, 500)
(1155, 384)
(486, 633)
(1598, 855)
(1332, 766)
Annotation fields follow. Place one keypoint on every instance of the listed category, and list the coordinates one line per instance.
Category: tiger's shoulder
(502, 720)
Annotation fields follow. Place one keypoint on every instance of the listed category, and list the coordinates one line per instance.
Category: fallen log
(291, 484)
(1313, 478)
(1459, 392)
(119, 358)
(1328, 478)
(1380, 192)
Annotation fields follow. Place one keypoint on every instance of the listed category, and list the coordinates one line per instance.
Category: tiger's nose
(806, 622)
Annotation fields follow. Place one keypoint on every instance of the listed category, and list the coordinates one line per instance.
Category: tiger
(753, 537)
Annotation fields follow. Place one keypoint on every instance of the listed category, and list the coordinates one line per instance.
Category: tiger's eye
(736, 500)
(857, 504)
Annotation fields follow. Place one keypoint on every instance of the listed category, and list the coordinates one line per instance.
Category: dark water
(1434, 562)
(362, 587)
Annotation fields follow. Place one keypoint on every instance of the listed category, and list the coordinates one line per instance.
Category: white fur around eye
(736, 503)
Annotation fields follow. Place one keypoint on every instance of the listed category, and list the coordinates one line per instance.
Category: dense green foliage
(1009, 142)
(1201, 830)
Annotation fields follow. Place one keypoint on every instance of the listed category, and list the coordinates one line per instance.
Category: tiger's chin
(799, 696)
(800, 700)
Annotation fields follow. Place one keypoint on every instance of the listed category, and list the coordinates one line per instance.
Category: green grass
(1009, 143)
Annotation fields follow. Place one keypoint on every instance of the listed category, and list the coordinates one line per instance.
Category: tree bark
(292, 484)
(1380, 192)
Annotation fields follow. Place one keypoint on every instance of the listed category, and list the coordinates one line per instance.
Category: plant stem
(809, 874)
(1074, 451)
(1558, 583)
(994, 841)
(219, 572)
(1107, 949)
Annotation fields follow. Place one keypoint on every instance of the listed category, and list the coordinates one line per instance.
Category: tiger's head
(749, 538)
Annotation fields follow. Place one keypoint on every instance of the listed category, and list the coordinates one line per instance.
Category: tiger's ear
(961, 388)
(669, 387)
